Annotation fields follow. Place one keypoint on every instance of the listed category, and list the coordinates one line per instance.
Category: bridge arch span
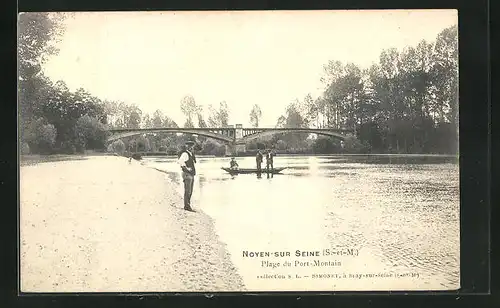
(119, 135)
(266, 133)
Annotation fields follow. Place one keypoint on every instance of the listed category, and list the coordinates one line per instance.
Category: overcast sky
(153, 59)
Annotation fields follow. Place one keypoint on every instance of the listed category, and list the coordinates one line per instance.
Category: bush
(212, 147)
(142, 144)
(118, 147)
(252, 146)
(371, 135)
(353, 145)
(281, 145)
(41, 136)
(326, 146)
(90, 133)
(25, 148)
(170, 150)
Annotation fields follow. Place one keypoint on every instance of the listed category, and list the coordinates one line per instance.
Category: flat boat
(252, 170)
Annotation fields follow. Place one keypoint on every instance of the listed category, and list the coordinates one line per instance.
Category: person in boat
(258, 159)
(269, 160)
(233, 164)
(187, 161)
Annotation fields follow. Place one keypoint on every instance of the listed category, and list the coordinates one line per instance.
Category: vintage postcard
(239, 151)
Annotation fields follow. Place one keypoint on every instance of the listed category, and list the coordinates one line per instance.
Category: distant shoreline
(31, 159)
(329, 155)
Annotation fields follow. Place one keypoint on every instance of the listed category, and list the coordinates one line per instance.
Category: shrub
(41, 136)
(170, 150)
(353, 145)
(118, 147)
(281, 145)
(142, 144)
(325, 146)
(212, 147)
(25, 148)
(90, 133)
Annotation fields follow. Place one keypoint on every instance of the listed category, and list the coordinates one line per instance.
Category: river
(392, 221)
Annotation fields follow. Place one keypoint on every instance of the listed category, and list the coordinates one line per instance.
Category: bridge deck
(228, 134)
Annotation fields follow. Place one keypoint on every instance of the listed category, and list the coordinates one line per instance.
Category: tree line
(53, 119)
(405, 103)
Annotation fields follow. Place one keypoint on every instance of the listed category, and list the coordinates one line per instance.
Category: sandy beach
(102, 224)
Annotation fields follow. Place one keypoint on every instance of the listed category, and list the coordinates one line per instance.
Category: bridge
(235, 137)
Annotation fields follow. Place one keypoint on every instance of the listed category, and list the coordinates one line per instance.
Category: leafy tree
(157, 119)
(41, 136)
(370, 134)
(445, 76)
(118, 146)
(353, 145)
(223, 114)
(91, 132)
(255, 115)
(220, 117)
(281, 122)
(326, 146)
(147, 122)
(189, 108)
(188, 123)
(37, 33)
(212, 147)
(201, 121)
(281, 145)
(213, 120)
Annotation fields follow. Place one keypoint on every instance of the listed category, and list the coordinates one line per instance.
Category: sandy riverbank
(102, 224)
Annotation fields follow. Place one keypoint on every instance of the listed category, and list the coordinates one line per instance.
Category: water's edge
(222, 246)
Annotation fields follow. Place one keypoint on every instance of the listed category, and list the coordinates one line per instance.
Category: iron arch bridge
(230, 135)
(220, 134)
(250, 134)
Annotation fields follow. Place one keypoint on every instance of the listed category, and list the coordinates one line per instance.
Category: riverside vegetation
(405, 103)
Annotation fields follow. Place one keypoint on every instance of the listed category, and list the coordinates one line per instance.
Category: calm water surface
(400, 212)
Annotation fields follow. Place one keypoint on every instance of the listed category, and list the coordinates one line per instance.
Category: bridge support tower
(236, 146)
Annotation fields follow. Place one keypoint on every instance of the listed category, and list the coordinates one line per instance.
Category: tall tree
(37, 33)
(157, 119)
(281, 122)
(134, 117)
(146, 121)
(445, 75)
(189, 123)
(213, 120)
(223, 114)
(255, 115)
(201, 121)
(220, 117)
(189, 108)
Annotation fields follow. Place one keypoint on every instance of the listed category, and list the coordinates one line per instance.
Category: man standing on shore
(187, 161)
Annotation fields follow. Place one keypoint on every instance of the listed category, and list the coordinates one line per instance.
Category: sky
(154, 59)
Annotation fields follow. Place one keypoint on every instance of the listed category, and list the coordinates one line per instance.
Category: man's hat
(190, 143)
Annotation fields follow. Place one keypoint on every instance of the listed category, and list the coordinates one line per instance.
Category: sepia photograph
(238, 151)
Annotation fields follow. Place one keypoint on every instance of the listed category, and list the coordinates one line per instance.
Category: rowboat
(252, 170)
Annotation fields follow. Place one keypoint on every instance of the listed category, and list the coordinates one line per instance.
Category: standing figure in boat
(269, 161)
(258, 160)
(233, 164)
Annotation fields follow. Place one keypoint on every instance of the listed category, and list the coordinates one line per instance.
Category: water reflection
(403, 212)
